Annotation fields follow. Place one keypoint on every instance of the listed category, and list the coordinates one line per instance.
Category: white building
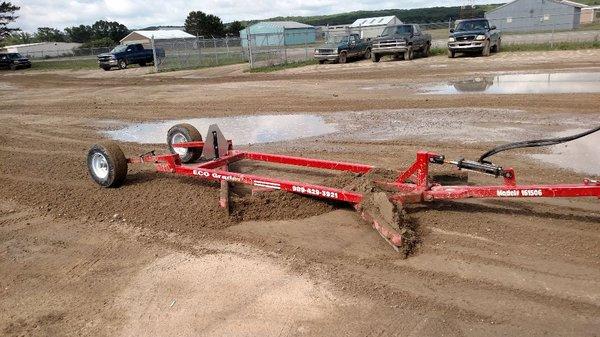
(144, 36)
(372, 27)
(42, 49)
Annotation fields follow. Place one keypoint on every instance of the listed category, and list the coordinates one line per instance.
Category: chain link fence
(196, 53)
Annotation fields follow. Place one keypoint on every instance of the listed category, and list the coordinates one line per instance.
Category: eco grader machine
(381, 204)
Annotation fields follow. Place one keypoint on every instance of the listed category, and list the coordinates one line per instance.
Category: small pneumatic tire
(181, 133)
(107, 164)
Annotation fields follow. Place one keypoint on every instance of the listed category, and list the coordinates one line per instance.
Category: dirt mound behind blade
(378, 205)
(277, 205)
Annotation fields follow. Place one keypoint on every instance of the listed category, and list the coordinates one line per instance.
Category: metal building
(536, 15)
(278, 33)
(373, 27)
(42, 49)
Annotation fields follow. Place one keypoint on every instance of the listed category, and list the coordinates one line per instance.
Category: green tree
(111, 29)
(7, 15)
(80, 34)
(206, 25)
(18, 38)
(234, 28)
(47, 34)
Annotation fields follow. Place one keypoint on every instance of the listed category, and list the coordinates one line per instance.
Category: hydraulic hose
(535, 143)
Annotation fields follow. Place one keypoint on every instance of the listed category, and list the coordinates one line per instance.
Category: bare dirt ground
(158, 257)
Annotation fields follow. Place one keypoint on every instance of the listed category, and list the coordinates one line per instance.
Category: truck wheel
(142, 64)
(106, 68)
(321, 61)
(107, 164)
(343, 57)
(409, 53)
(367, 54)
(122, 64)
(451, 54)
(498, 46)
(486, 49)
(182, 133)
(13, 67)
(375, 57)
(426, 50)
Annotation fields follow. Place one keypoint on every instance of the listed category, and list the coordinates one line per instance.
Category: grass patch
(287, 65)
(551, 46)
(199, 64)
(74, 64)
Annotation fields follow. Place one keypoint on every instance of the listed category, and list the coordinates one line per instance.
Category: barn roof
(161, 34)
(376, 21)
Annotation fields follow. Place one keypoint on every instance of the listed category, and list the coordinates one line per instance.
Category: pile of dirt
(376, 202)
(277, 205)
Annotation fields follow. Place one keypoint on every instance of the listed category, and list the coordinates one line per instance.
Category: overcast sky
(143, 13)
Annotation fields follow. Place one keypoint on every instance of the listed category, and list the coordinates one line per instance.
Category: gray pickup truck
(474, 36)
(341, 48)
(401, 41)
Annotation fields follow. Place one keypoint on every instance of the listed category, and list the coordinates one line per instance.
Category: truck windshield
(397, 30)
(15, 56)
(118, 49)
(337, 39)
(472, 25)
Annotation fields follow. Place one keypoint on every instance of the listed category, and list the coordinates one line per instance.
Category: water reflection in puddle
(581, 155)
(523, 84)
(240, 129)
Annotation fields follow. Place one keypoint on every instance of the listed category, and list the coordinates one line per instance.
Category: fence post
(552, 37)
(216, 53)
(154, 58)
(249, 45)
(305, 46)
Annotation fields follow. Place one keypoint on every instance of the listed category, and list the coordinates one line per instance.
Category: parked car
(13, 61)
(474, 36)
(124, 55)
(341, 48)
(401, 41)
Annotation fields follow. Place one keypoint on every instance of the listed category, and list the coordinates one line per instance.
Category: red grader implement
(380, 205)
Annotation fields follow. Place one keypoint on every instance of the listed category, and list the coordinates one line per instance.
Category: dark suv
(474, 36)
(13, 61)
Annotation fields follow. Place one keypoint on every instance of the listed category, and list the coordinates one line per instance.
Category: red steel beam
(307, 162)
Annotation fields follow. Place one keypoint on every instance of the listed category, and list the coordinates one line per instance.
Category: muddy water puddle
(240, 129)
(581, 155)
(545, 83)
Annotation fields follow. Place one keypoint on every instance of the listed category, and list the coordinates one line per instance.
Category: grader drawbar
(381, 204)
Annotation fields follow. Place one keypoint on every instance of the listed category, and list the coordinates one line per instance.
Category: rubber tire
(451, 54)
(426, 50)
(122, 64)
(106, 68)
(368, 53)
(142, 64)
(375, 57)
(13, 67)
(191, 134)
(409, 53)
(117, 164)
(486, 50)
(343, 58)
(498, 46)
(321, 61)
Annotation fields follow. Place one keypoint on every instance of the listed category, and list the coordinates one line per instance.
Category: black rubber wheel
(451, 54)
(321, 61)
(367, 54)
(122, 64)
(107, 164)
(498, 46)
(342, 57)
(106, 68)
(375, 57)
(486, 49)
(13, 67)
(409, 53)
(181, 133)
(426, 50)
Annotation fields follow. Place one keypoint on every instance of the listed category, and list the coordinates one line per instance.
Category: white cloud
(142, 13)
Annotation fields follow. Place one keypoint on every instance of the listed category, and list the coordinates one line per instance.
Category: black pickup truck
(474, 36)
(401, 41)
(122, 56)
(13, 61)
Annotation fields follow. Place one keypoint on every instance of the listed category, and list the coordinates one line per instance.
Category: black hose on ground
(535, 143)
